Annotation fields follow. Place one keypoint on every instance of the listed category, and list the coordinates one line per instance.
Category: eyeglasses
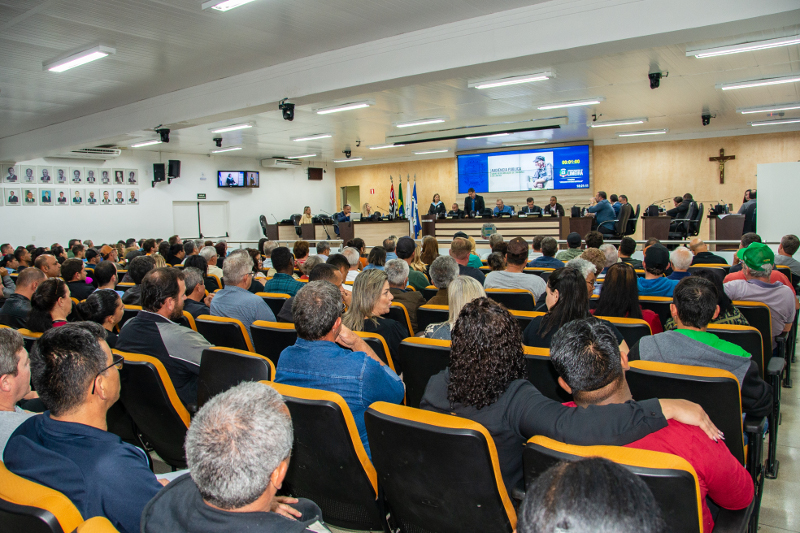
(118, 361)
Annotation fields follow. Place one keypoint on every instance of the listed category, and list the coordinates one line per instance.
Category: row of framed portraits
(13, 196)
(60, 175)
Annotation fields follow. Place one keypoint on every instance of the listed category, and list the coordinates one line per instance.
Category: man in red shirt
(590, 366)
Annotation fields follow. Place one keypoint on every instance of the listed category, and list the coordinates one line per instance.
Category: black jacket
(558, 209)
(707, 258)
(80, 289)
(437, 209)
(476, 205)
(14, 312)
(532, 210)
(681, 210)
(457, 213)
(195, 308)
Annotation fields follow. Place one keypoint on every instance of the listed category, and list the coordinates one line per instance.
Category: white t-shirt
(503, 279)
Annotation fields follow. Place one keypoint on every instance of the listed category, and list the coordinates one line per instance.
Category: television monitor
(231, 179)
(251, 179)
(563, 167)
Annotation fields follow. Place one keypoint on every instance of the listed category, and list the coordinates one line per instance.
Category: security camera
(655, 79)
(287, 108)
(218, 141)
(706, 119)
(164, 134)
(347, 153)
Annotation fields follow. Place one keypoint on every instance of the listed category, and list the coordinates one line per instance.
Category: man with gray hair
(397, 271)
(389, 244)
(353, 257)
(612, 256)
(787, 248)
(15, 383)
(681, 259)
(238, 450)
(209, 253)
(190, 248)
(235, 300)
(443, 271)
(196, 302)
(324, 249)
(587, 270)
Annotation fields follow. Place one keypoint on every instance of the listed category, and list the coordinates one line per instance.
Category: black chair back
(223, 331)
(657, 304)
(543, 375)
(518, 299)
(632, 329)
(224, 368)
(421, 359)
(746, 337)
(274, 300)
(429, 292)
(758, 316)
(633, 221)
(750, 219)
(128, 312)
(271, 338)
(431, 314)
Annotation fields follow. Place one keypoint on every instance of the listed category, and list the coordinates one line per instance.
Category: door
(193, 220)
(352, 195)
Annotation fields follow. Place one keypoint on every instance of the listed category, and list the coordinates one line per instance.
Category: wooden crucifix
(721, 159)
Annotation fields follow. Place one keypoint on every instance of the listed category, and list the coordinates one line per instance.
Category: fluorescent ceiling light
(233, 127)
(638, 133)
(229, 149)
(146, 143)
(300, 156)
(443, 150)
(768, 108)
(382, 146)
(745, 47)
(775, 122)
(526, 143)
(571, 103)
(313, 137)
(343, 107)
(487, 136)
(224, 5)
(758, 83)
(420, 122)
(347, 160)
(511, 80)
(623, 122)
(81, 58)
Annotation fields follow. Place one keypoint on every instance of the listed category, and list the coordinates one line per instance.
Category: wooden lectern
(656, 227)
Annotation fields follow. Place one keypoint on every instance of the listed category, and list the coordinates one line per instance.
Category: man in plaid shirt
(283, 282)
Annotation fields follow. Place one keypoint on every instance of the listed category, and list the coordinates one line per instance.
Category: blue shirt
(355, 376)
(546, 262)
(617, 206)
(506, 209)
(239, 303)
(281, 283)
(370, 266)
(603, 211)
(656, 287)
(678, 275)
(99, 473)
(390, 256)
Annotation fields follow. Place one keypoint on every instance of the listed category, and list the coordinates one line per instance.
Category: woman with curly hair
(619, 297)
(486, 382)
(50, 305)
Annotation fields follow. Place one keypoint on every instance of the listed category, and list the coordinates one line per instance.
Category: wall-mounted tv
(564, 167)
(237, 179)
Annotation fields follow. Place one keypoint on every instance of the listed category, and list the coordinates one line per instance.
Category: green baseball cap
(756, 256)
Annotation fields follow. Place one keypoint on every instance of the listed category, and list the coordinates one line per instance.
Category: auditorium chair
(420, 359)
(379, 346)
(188, 321)
(543, 375)
(123, 286)
(150, 398)
(718, 269)
(98, 524)
(632, 329)
(28, 507)
(274, 300)
(681, 227)
(524, 317)
(212, 283)
(518, 299)
(429, 292)
(633, 221)
(620, 225)
(485, 269)
(75, 302)
(759, 316)
(224, 368)
(128, 312)
(399, 313)
(271, 338)
(750, 219)
(659, 305)
(224, 331)
(329, 464)
(29, 338)
(438, 472)
(672, 480)
(431, 314)
(542, 272)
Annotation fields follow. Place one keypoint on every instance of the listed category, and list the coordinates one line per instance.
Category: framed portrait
(90, 176)
(10, 173)
(131, 176)
(61, 174)
(11, 196)
(133, 196)
(92, 197)
(119, 196)
(106, 197)
(61, 197)
(76, 197)
(29, 197)
(76, 175)
(45, 175)
(119, 176)
(105, 176)
(46, 197)
(27, 174)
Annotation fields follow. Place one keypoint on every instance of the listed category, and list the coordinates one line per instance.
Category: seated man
(737, 273)
(397, 272)
(68, 447)
(209, 253)
(513, 276)
(611, 258)
(14, 312)
(137, 270)
(405, 250)
(787, 248)
(701, 254)
(594, 239)
(530, 208)
(74, 273)
(354, 260)
(591, 368)
(318, 361)
(744, 242)
(155, 331)
(323, 249)
(455, 212)
(602, 212)
(627, 247)
(548, 257)
(323, 272)
(616, 204)
(389, 245)
(574, 250)
(694, 306)
(48, 264)
(105, 275)
(443, 271)
(196, 302)
(282, 282)
(460, 251)
(680, 259)
(656, 262)
(502, 209)
(15, 383)
(235, 301)
(238, 450)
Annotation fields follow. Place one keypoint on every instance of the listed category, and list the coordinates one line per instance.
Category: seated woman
(307, 218)
(430, 249)
(619, 297)
(300, 251)
(309, 265)
(728, 313)
(437, 207)
(103, 307)
(460, 292)
(376, 259)
(496, 261)
(258, 264)
(486, 383)
(567, 298)
(474, 258)
(50, 305)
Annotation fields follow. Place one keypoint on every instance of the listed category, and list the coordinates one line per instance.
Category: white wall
(778, 186)
(282, 193)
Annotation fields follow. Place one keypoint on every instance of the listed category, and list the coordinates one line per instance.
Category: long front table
(373, 233)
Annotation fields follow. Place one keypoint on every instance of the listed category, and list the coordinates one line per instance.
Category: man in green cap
(758, 261)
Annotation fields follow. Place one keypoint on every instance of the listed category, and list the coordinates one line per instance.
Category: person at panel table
(530, 208)
(502, 209)
(455, 211)
(437, 206)
(344, 215)
(554, 208)
(602, 211)
(306, 218)
(473, 202)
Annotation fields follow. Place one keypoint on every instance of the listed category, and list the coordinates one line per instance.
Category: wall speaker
(159, 172)
(174, 168)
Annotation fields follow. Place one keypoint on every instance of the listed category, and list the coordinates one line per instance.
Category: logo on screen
(563, 172)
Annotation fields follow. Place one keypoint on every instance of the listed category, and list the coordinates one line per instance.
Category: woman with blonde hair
(160, 261)
(306, 218)
(366, 210)
(460, 292)
(474, 259)
(416, 261)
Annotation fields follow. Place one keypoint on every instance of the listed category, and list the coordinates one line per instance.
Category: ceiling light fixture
(758, 83)
(524, 143)
(775, 122)
(420, 122)
(487, 136)
(511, 80)
(233, 127)
(343, 107)
(300, 156)
(228, 149)
(623, 122)
(646, 132)
(313, 137)
(382, 146)
(768, 108)
(224, 5)
(347, 160)
(571, 103)
(81, 58)
(744, 47)
(443, 150)
(146, 143)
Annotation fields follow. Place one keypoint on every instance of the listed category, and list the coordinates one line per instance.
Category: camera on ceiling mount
(164, 134)
(655, 78)
(287, 108)
(706, 118)
(218, 141)
(347, 153)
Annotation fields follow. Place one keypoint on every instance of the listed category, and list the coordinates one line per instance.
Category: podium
(579, 225)
(656, 227)
(726, 228)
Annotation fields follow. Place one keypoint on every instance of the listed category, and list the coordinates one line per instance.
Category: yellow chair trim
(228, 320)
(710, 265)
(190, 319)
(435, 307)
(665, 299)
(273, 295)
(28, 334)
(132, 307)
(98, 524)
(365, 335)
(245, 352)
(405, 312)
(273, 325)
(422, 341)
(219, 281)
(530, 350)
(625, 320)
(126, 284)
(530, 314)
(432, 287)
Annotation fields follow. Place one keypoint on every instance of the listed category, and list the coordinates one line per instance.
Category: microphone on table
(276, 220)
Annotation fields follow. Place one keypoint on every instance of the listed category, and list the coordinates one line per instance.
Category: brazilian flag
(400, 209)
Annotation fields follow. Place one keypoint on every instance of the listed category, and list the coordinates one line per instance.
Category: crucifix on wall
(721, 159)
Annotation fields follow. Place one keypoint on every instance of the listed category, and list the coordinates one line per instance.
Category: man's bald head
(697, 246)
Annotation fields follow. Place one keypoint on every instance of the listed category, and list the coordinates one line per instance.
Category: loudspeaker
(575, 212)
(174, 168)
(159, 172)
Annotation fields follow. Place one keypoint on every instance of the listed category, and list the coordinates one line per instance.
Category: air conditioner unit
(277, 162)
(92, 153)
